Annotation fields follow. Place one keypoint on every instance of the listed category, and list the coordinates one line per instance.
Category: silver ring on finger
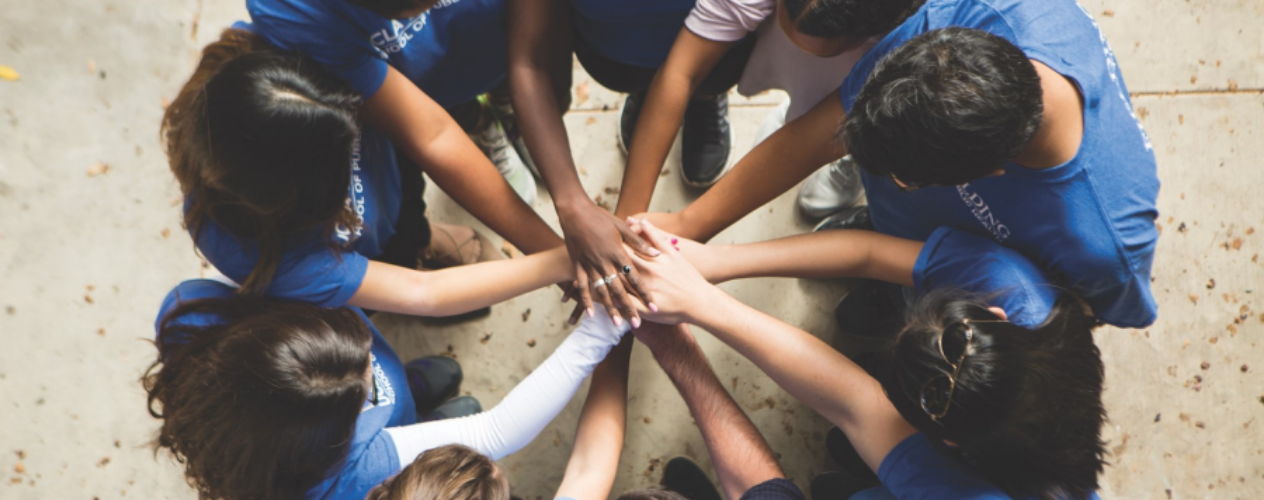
(610, 279)
(600, 283)
(626, 269)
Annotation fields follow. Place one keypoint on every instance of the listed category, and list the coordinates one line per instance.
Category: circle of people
(1009, 210)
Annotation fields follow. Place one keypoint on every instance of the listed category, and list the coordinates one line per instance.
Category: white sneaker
(831, 188)
(772, 122)
(509, 122)
(493, 142)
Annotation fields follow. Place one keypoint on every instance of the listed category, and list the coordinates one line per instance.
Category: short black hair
(654, 493)
(1027, 409)
(949, 106)
(850, 18)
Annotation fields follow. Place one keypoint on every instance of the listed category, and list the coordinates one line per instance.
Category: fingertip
(653, 307)
(636, 322)
(591, 313)
(618, 320)
(654, 252)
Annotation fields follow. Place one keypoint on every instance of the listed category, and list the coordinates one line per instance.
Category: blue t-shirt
(454, 52)
(633, 32)
(966, 261)
(1089, 222)
(372, 458)
(309, 271)
(916, 470)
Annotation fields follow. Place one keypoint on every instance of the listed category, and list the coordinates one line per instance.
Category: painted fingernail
(618, 321)
(654, 252)
(675, 241)
(636, 322)
(590, 312)
(653, 307)
(676, 247)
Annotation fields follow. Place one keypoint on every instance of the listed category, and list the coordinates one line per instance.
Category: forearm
(811, 371)
(528, 408)
(773, 167)
(826, 254)
(594, 461)
(460, 289)
(741, 456)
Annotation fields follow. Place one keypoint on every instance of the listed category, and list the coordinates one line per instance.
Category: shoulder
(979, 265)
(728, 20)
(189, 291)
(774, 489)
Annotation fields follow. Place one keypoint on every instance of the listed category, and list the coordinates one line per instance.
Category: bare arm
(741, 456)
(424, 131)
(772, 168)
(594, 462)
(827, 254)
(690, 61)
(803, 365)
(539, 72)
(459, 289)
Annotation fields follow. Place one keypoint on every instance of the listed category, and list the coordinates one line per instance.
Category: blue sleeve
(1004, 277)
(368, 465)
(774, 489)
(188, 291)
(330, 38)
(915, 470)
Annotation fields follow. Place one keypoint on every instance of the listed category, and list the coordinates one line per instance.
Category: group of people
(1010, 210)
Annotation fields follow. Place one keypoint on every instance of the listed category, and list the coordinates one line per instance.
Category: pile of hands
(661, 285)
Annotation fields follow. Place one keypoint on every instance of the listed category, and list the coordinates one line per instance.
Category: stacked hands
(660, 279)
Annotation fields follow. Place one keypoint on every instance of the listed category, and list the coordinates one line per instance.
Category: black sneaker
(683, 476)
(705, 141)
(433, 380)
(841, 450)
(835, 485)
(463, 406)
(856, 217)
(627, 119)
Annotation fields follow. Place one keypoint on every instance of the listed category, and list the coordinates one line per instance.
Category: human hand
(681, 290)
(661, 337)
(595, 240)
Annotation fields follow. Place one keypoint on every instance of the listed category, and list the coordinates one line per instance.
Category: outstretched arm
(594, 459)
(741, 456)
(423, 130)
(842, 253)
(803, 365)
(528, 408)
(773, 167)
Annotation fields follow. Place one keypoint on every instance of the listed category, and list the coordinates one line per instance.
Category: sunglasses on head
(954, 344)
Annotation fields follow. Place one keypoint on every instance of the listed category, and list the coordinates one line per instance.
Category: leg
(480, 123)
(412, 229)
(707, 137)
(685, 477)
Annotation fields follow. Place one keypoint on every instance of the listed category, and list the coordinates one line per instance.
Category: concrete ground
(90, 242)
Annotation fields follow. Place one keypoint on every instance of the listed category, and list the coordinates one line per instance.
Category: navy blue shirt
(454, 52)
(1089, 222)
(632, 32)
(309, 270)
(373, 457)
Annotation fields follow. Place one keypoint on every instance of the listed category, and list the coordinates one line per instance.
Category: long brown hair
(452, 472)
(261, 143)
(262, 403)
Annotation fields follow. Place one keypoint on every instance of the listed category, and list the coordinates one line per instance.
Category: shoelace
(714, 126)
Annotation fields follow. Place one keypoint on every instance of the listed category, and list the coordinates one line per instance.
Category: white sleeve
(728, 20)
(528, 408)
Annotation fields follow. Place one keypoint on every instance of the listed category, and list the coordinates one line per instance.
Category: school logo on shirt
(393, 40)
(385, 392)
(355, 198)
(983, 213)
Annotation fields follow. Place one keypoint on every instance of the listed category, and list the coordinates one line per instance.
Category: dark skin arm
(539, 72)
(428, 135)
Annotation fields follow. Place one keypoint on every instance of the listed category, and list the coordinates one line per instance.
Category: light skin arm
(460, 289)
(594, 462)
(803, 365)
(773, 167)
(740, 454)
(425, 132)
(690, 61)
(842, 253)
(539, 72)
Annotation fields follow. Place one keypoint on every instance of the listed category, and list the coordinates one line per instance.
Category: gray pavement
(87, 252)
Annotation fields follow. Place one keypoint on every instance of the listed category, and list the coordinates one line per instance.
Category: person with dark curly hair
(1009, 119)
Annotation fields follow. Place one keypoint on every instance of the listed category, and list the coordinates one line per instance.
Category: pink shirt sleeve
(728, 20)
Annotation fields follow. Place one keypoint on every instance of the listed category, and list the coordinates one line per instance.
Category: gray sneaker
(509, 122)
(495, 144)
(831, 188)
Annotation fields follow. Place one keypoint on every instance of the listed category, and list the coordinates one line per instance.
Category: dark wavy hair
(848, 18)
(261, 143)
(947, 107)
(263, 405)
(1027, 409)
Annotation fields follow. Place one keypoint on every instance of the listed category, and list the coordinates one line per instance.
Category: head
(826, 28)
(396, 9)
(652, 494)
(264, 405)
(453, 472)
(261, 143)
(1026, 408)
(947, 107)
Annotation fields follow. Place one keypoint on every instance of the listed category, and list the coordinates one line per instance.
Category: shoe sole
(727, 166)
